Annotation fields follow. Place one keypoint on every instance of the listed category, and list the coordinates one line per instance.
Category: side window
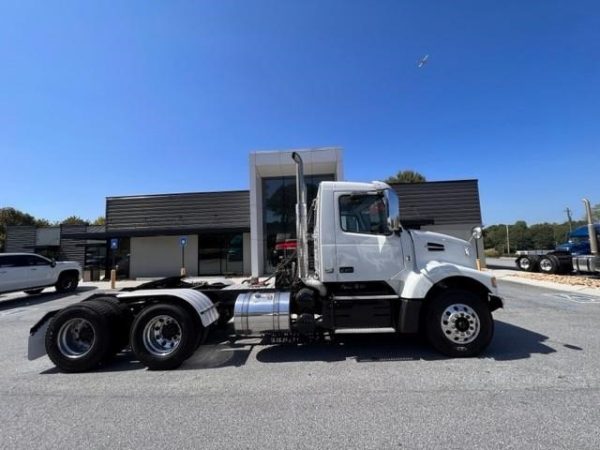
(363, 213)
(37, 261)
(13, 261)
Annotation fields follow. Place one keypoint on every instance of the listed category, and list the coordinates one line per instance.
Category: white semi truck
(370, 275)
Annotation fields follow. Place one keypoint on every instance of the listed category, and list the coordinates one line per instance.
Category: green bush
(491, 253)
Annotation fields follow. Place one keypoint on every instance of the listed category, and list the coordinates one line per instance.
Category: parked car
(32, 273)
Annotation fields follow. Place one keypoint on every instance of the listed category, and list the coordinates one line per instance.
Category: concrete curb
(510, 275)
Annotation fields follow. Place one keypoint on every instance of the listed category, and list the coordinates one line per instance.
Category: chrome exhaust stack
(591, 228)
(301, 221)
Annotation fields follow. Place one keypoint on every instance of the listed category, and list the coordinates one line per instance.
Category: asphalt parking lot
(537, 386)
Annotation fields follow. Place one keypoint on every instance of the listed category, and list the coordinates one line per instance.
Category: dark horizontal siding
(71, 248)
(201, 211)
(442, 202)
(20, 238)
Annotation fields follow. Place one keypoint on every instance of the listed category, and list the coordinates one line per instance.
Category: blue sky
(115, 98)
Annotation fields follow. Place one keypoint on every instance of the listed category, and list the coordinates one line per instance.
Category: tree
(74, 220)
(406, 176)
(100, 220)
(12, 216)
(542, 236)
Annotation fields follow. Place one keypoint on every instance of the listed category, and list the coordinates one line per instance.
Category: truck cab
(358, 237)
(578, 241)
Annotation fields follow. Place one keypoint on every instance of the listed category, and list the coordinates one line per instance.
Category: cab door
(40, 272)
(365, 249)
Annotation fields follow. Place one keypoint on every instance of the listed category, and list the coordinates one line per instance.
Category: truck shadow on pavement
(44, 297)
(509, 343)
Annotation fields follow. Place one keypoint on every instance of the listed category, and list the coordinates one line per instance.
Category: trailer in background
(579, 253)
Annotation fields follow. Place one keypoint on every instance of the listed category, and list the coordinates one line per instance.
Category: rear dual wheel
(528, 263)
(549, 264)
(78, 337)
(165, 335)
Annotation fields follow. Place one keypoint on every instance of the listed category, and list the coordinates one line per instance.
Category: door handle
(33, 269)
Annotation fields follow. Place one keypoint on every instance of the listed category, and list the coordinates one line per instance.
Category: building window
(221, 254)
(279, 210)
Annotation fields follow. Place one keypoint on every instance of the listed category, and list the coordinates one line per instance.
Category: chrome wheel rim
(524, 262)
(545, 265)
(162, 335)
(460, 323)
(76, 338)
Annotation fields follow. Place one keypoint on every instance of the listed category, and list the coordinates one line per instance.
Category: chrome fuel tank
(260, 312)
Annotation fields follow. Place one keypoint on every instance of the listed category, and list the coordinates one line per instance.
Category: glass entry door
(221, 254)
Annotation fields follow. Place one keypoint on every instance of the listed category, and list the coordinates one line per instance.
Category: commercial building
(232, 232)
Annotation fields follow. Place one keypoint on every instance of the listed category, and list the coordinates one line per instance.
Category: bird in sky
(422, 61)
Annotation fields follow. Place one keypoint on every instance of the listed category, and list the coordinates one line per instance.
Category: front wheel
(459, 323)
(67, 282)
(163, 336)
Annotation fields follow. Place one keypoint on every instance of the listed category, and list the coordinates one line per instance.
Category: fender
(417, 284)
(207, 312)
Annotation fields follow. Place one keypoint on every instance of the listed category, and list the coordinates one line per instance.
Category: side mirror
(394, 224)
(393, 207)
(52, 262)
(476, 233)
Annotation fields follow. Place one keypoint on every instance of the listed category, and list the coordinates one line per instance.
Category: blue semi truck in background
(579, 253)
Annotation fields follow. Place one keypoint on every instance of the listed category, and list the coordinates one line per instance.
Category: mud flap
(36, 346)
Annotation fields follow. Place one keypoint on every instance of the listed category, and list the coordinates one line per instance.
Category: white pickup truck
(32, 273)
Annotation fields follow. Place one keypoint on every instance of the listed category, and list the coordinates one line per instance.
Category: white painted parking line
(577, 298)
(16, 311)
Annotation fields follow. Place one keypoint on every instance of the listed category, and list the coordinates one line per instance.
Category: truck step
(365, 297)
(364, 330)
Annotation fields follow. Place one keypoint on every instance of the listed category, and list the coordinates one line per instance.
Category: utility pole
(568, 211)
(507, 241)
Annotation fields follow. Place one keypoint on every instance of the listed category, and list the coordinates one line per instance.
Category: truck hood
(430, 246)
(68, 265)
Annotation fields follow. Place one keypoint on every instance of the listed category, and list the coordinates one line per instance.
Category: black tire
(74, 349)
(67, 282)
(225, 316)
(527, 263)
(549, 264)
(151, 347)
(120, 325)
(201, 337)
(34, 291)
(463, 309)
(565, 265)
